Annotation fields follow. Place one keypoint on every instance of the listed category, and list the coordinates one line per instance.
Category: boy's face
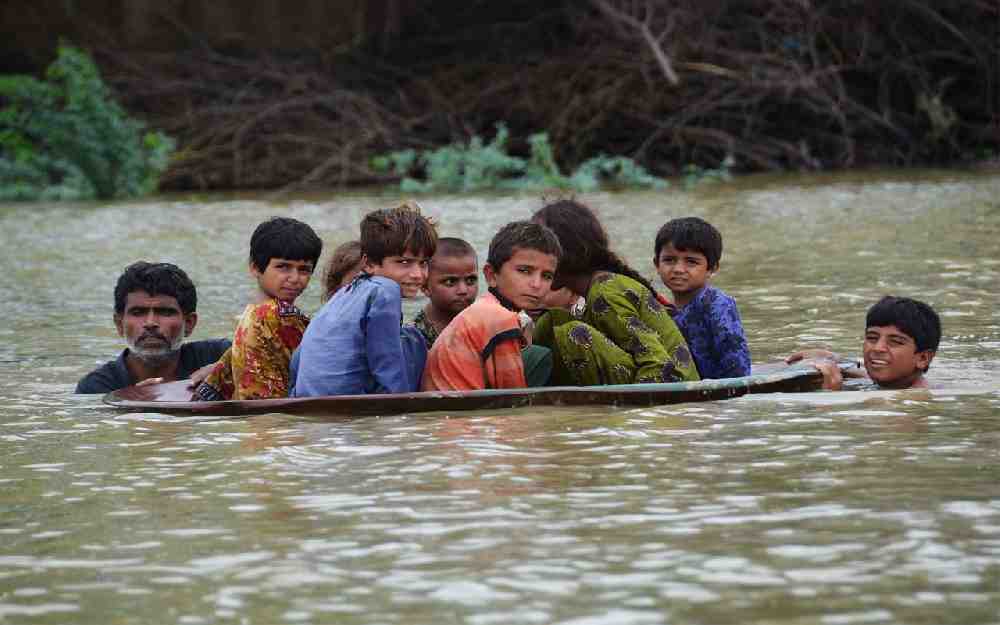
(682, 271)
(452, 283)
(283, 279)
(408, 270)
(891, 357)
(153, 325)
(525, 278)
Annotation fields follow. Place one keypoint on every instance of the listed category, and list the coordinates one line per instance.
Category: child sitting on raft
(686, 255)
(452, 286)
(625, 334)
(356, 344)
(343, 266)
(484, 346)
(283, 253)
(901, 340)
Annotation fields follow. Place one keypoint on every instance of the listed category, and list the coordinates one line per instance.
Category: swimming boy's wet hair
(283, 237)
(690, 234)
(156, 279)
(913, 317)
(347, 256)
(525, 235)
(393, 231)
(584, 241)
(454, 248)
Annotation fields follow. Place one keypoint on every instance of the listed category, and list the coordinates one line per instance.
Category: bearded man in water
(154, 312)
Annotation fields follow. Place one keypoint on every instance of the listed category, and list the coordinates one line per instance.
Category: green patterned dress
(624, 336)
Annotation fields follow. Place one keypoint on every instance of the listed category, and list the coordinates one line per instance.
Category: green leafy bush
(66, 138)
(483, 166)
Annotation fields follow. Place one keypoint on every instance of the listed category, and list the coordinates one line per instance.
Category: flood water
(829, 508)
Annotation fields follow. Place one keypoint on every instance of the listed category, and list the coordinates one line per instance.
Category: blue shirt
(355, 345)
(712, 328)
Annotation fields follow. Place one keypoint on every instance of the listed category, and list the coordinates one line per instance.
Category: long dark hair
(584, 241)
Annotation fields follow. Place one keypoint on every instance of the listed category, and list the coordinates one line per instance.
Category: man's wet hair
(454, 247)
(691, 234)
(162, 279)
(524, 235)
(345, 257)
(913, 317)
(393, 231)
(284, 237)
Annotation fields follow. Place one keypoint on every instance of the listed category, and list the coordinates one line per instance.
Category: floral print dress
(625, 335)
(256, 366)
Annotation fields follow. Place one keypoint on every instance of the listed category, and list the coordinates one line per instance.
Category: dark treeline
(775, 84)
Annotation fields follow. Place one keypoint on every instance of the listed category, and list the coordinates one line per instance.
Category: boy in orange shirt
(482, 346)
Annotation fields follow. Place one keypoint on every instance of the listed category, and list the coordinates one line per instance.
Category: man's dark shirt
(114, 375)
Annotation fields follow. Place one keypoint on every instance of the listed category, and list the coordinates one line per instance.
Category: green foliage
(66, 138)
(481, 166)
(695, 175)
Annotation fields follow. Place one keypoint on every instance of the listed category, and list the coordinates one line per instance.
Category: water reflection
(831, 508)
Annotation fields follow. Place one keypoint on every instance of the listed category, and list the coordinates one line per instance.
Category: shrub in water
(482, 166)
(66, 138)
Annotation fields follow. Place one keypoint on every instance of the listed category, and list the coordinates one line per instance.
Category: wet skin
(892, 360)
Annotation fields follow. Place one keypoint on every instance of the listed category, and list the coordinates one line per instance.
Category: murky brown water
(831, 508)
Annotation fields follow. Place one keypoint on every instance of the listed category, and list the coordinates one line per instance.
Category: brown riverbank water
(829, 508)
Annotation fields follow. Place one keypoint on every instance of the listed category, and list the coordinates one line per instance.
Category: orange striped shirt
(456, 361)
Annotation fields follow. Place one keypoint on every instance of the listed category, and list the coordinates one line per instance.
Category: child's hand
(149, 381)
(832, 378)
(807, 354)
(199, 376)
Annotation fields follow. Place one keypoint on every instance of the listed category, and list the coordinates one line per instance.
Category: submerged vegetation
(65, 138)
(479, 166)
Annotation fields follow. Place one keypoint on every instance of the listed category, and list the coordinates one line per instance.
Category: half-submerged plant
(484, 166)
(66, 138)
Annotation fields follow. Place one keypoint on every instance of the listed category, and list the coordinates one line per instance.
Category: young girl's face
(283, 279)
(682, 271)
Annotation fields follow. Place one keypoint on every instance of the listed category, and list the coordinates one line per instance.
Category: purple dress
(712, 328)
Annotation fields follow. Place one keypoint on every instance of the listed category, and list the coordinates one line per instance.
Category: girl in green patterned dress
(625, 334)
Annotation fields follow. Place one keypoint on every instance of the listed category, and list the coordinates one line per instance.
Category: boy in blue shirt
(686, 255)
(356, 344)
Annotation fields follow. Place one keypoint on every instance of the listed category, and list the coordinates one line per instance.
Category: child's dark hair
(347, 256)
(283, 237)
(454, 248)
(393, 231)
(525, 235)
(584, 241)
(156, 279)
(690, 234)
(913, 317)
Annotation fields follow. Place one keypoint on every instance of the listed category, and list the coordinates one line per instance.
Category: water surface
(832, 508)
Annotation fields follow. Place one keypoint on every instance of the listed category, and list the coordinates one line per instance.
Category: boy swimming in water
(901, 340)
